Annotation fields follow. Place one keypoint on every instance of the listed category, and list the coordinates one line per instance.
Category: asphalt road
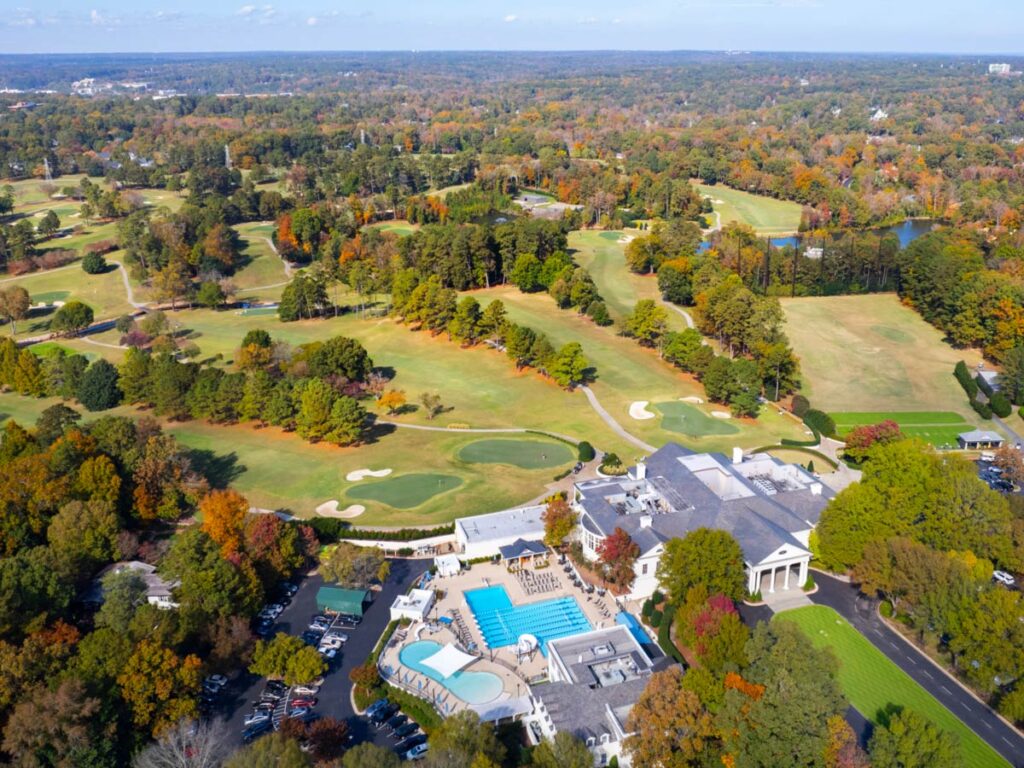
(335, 696)
(860, 612)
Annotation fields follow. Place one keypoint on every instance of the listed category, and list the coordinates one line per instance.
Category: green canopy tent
(341, 600)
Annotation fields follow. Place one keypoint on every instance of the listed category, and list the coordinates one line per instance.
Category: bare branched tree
(189, 744)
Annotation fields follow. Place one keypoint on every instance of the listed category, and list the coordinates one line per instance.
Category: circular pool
(471, 687)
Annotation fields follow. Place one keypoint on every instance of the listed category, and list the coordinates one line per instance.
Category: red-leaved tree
(618, 554)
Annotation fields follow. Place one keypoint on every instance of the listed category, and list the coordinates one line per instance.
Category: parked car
(334, 634)
(306, 690)
(349, 620)
(383, 714)
(220, 681)
(405, 731)
(256, 729)
(416, 753)
(328, 643)
(329, 654)
(311, 637)
(378, 705)
(412, 741)
(397, 721)
(288, 587)
(304, 702)
(299, 712)
(1004, 578)
(257, 716)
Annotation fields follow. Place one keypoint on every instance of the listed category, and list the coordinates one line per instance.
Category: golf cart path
(612, 423)
(129, 292)
(287, 266)
(479, 430)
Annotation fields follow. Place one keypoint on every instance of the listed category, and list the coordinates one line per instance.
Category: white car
(216, 681)
(416, 752)
(1004, 578)
(256, 717)
(329, 653)
(306, 690)
(335, 635)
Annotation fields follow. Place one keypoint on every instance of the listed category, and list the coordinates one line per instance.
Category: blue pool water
(629, 621)
(501, 623)
(471, 687)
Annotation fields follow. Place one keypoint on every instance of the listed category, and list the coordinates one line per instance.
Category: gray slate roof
(760, 521)
(521, 548)
(981, 436)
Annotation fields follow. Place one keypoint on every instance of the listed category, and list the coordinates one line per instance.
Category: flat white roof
(416, 600)
(521, 522)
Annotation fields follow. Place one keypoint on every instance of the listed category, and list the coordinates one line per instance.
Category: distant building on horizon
(999, 69)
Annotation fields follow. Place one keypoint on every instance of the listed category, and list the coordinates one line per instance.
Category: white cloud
(312, 21)
(23, 21)
(246, 10)
(95, 17)
(510, 18)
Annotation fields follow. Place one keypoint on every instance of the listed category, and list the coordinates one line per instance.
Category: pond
(907, 232)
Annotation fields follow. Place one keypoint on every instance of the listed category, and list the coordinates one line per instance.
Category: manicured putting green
(872, 682)
(686, 419)
(259, 311)
(49, 296)
(528, 454)
(404, 491)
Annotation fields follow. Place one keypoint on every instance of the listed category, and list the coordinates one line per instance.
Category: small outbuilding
(520, 549)
(447, 565)
(414, 606)
(977, 439)
(341, 600)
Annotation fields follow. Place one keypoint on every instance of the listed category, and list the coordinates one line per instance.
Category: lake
(907, 232)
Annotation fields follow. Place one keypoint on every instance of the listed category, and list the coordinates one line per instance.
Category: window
(643, 569)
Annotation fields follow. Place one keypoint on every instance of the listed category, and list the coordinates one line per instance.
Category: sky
(941, 26)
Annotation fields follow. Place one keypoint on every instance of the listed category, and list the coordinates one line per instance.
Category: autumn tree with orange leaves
(670, 726)
(224, 518)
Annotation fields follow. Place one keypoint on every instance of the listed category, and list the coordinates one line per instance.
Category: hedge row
(802, 443)
(1000, 405)
(963, 375)
(665, 637)
(801, 449)
(820, 422)
(981, 409)
(329, 530)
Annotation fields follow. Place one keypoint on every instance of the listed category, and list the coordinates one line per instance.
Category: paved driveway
(334, 697)
(860, 612)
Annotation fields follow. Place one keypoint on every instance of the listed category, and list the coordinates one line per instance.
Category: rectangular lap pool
(502, 623)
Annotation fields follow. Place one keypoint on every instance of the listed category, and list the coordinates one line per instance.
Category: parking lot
(334, 697)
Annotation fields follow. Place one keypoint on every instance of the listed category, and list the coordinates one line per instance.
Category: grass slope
(940, 428)
(766, 215)
(872, 682)
(871, 353)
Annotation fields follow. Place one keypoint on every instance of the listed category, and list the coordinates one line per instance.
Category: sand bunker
(691, 399)
(721, 414)
(625, 239)
(358, 474)
(330, 509)
(638, 410)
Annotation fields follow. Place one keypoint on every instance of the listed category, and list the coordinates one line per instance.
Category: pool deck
(515, 675)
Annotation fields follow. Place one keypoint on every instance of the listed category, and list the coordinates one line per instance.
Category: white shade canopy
(449, 660)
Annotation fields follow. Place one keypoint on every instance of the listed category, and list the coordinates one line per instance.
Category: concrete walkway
(613, 424)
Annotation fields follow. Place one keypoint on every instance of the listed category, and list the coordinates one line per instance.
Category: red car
(304, 703)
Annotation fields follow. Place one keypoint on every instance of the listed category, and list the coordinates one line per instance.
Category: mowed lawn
(871, 353)
(940, 428)
(400, 227)
(277, 470)
(604, 257)
(766, 215)
(626, 373)
(872, 682)
(263, 269)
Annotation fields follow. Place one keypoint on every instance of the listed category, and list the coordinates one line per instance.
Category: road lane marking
(928, 674)
(946, 689)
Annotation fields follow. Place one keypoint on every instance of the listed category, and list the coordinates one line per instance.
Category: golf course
(766, 215)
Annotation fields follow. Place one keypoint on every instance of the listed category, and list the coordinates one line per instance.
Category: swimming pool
(471, 687)
(502, 623)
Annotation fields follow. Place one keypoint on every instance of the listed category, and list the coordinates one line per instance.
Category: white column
(771, 589)
(785, 580)
(803, 573)
(752, 580)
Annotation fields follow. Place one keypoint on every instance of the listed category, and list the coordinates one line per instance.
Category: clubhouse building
(768, 506)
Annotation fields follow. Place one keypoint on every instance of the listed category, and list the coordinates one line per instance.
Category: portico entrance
(768, 579)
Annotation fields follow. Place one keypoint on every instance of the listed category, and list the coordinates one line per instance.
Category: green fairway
(940, 428)
(262, 266)
(405, 491)
(766, 215)
(399, 227)
(528, 454)
(855, 357)
(872, 682)
(689, 420)
(603, 255)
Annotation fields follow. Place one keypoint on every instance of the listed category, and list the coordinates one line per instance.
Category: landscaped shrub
(1000, 405)
(810, 465)
(800, 405)
(981, 409)
(647, 608)
(665, 637)
(983, 385)
(809, 584)
(330, 530)
(963, 375)
(585, 451)
(94, 263)
(885, 609)
(656, 618)
(656, 597)
(801, 443)
(820, 422)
